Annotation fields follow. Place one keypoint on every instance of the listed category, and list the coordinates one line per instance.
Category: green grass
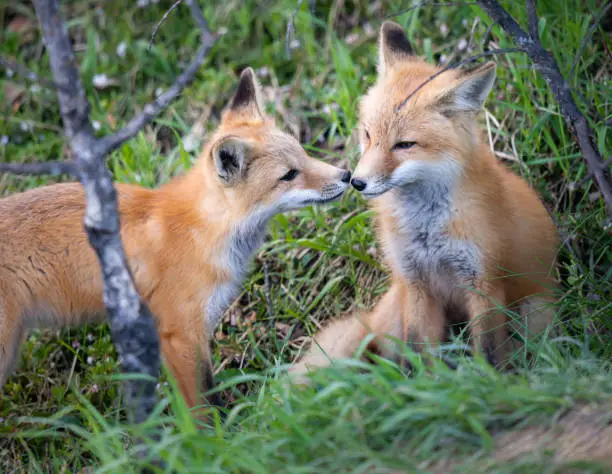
(61, 408)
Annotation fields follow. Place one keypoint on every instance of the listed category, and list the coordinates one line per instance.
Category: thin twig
(163, 18)
(429, 4)
(150, 110)
(470, 44)
(587, 39)
(291, 28)
(485, 37)
(454, 66)
(547, 66)
(52, 168)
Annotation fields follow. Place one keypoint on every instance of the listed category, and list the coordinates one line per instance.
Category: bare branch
(532, 20)
(587, 39)
(74, 106)
(454, 66)
(163, 18)
(207, 40)
(198, 16)
(429, 4)
(132, 326)
(52, 168)
(546, 65)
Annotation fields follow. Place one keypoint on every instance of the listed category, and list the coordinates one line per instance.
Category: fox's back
(46, 221)
(47, 267)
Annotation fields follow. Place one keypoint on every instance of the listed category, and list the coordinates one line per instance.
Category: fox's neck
(228, 237)
(415, 232)
(242, 239)
(426, 205)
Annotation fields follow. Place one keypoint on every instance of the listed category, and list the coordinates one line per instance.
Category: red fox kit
(463, 236)
(188, 243)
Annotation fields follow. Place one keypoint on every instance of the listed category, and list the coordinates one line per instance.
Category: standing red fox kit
(461, 233)
(188, 243)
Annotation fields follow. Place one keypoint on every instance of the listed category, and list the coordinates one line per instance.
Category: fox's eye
(403, 145)
(290, 175)
(367, 135)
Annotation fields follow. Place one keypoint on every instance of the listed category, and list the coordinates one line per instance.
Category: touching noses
(346, 176)
(358, 184)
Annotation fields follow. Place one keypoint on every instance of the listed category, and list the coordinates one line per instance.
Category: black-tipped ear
(229, 156)
(470, 90)
(247, 97)
(393, 46)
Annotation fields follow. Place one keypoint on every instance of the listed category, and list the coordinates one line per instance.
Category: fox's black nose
(358, 184)
(346, 177)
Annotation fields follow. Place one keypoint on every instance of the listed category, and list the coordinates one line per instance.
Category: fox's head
(426, 137)
(258, 167)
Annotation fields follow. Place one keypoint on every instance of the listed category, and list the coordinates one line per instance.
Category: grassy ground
(59, 412)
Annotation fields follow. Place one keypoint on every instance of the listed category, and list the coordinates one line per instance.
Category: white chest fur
(235, 258)
(220, 299)
(424, 249)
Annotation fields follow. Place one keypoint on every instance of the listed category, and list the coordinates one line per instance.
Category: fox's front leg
(11, 335)
(488, 321)
(185, 348)
(188, 359)
(423, 318)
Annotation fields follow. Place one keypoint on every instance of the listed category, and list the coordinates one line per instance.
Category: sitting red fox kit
(188, 243)
(461, 233)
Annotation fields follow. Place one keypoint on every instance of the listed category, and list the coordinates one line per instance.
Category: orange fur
(188, 242)
(462, 234)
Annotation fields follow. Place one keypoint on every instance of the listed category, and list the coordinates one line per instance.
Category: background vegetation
(60, 411)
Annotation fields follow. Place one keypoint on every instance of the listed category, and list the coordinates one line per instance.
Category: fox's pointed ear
(393, 46)
(469, 91)
(229, 156)
(246, 102)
